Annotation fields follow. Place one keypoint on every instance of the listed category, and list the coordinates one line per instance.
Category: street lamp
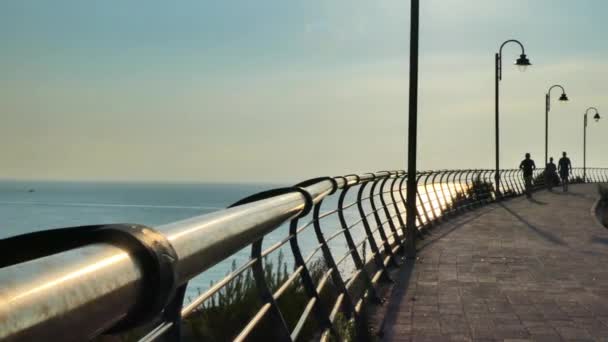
(596, 117)
(412, 187)
(522, 63)
(563, 98)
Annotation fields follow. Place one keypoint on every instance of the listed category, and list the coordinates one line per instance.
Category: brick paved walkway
(521, 270)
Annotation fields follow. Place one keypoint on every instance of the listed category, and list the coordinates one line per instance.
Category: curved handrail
(96, 285)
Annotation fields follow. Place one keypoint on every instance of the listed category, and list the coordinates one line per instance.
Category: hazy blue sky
(276, 90)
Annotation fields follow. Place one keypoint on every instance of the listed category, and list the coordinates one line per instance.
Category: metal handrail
(95, 286)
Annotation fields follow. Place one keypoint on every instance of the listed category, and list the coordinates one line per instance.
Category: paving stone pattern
(522, 270)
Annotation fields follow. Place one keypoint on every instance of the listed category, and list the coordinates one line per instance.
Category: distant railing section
(113, 278)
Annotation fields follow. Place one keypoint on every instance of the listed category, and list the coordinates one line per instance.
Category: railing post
(463, 191)
(440, 216)
(445, 198)
(488, 186)
(412, 137)
(396, 205)
(357, 261)
(511, 176)
(370, 237)
(403, 198)
(428, 221)
(428, 197)
(386, 245)
(172, 313)
(518, 182)
(347, 306)
(321, 312)
(451, 190)
(281, 330)
(470, 192)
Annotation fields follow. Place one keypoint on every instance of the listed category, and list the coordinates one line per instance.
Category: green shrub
(224, 315)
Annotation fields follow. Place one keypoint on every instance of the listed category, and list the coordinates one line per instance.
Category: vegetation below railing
(478, 192)
(222, 317)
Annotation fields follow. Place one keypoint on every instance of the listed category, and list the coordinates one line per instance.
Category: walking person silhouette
(550, 174)
(527, 166)
(564, 168)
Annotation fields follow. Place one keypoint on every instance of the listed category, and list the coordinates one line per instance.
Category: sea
(27, 206)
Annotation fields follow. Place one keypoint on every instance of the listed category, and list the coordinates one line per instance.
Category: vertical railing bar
(475, 180)
(463, 191)
(443, 191)
(370, 237)
(403, 226)
(396, 205)
(395, 202)
(359, 264)
(281, 330)
(437, 218)
(471, 178)
(440, 216)
(488, 186)
(392, 204)
(348, 307)
(478, 195)
(428, 221)
(385, 243)
(507, 182)
(321, 312)
(518, 180)
(448, 206)
(511, 176)
(453, 191)
(173, 314)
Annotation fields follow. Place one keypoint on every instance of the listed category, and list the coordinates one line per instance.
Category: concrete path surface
(520, 270)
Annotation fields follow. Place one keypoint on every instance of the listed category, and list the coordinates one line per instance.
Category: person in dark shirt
(564, 168)
(550, 174)
(527, 166)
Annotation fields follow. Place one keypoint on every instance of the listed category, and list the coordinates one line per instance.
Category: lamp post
(596, 117)
(522, 63)
(412, 133)
(562, 98)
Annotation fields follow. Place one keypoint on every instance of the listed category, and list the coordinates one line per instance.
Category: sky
(281, 91)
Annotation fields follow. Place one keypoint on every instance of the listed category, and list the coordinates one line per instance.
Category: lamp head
(596, 117)
(563, 98)
(522, 62)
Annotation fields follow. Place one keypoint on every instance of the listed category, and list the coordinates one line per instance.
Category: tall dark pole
(547, 109)
(412, 133)
(597, 118)
(522, 62)
(547, 99)
(497, 144)
(585, 149)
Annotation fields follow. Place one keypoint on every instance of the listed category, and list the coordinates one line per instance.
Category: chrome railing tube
(70, 296)
(203, 241)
